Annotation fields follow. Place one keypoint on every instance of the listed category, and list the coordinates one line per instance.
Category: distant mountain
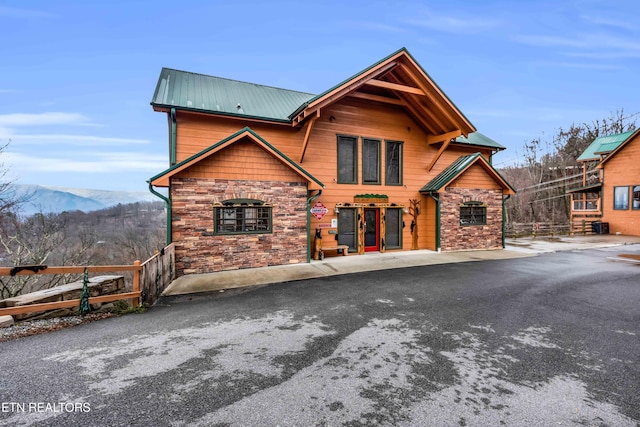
(46, 199)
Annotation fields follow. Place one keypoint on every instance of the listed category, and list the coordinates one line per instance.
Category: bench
(344, 249)
(331, 241)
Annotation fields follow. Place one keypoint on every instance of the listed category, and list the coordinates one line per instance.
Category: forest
(118, 235)
(548, 168)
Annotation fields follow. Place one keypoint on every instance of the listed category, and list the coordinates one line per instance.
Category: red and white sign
(319, 210)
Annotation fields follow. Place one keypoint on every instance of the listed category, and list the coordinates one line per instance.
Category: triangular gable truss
(163, 178)
(458, 168)
(398, 80)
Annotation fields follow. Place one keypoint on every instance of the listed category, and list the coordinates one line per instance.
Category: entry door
(371, 230)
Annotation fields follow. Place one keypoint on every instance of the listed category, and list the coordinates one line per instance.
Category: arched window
(473, 213)
(242, 216)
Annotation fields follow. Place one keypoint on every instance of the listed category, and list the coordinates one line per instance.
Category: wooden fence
(148, 281)
(528, 229)
(157, 272)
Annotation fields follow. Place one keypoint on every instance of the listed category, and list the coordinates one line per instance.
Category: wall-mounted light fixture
(336, 210)
(405, 210)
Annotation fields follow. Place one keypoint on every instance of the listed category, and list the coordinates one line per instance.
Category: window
(621, 198)
(393, 222)
(473, 213)
(347, 228)
(393, 159)
(241, 216)
(636, 198)
(370, 161)
(347, 159)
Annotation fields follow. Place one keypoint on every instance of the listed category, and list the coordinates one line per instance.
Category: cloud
(616, 23)
(376, 26)
(455, 24)
(43, 119)
(67, 139)
(14, 12)
(90, 163)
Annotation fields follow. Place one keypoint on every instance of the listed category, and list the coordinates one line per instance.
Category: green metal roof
(454, 170)
(603, 145)
(479, 140)
(199, 92)
(450, 173)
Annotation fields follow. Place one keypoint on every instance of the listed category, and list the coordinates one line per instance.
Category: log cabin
(383, 161)
(609, 199)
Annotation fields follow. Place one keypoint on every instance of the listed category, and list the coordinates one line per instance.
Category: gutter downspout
(309, 201)
(504, 217)
(437, 200)
(167, 203)
(173, 137)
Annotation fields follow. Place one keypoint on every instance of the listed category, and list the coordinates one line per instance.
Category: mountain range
(45, 199)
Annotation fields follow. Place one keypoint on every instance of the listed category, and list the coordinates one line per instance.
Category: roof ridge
(237, 81)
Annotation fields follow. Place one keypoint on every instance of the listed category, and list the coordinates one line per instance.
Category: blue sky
(77, 77)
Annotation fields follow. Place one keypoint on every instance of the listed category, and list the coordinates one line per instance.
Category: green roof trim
(455, 169)
(603, 145)
(479, 140)
(199, 92)
(213, 147)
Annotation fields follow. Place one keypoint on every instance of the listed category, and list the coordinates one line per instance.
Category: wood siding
(242, 160)
(349, 116)
(622, 170)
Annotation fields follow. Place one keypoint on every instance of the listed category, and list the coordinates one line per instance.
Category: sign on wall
(319, 210)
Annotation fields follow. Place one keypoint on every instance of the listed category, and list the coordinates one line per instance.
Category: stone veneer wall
(453, 236)
(198, 250)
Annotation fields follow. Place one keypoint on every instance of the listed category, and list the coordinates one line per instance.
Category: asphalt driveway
(546, 340)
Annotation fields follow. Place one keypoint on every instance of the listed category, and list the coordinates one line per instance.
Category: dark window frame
(340, 177)
(617, 207)
(378, 166)
(242, 216)
(400, 145)
(388, 228)
(473, 213)
(354, 225)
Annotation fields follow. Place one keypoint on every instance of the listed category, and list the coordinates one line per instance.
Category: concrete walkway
(515, 248)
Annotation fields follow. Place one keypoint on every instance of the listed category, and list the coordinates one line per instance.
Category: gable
(243, 160)
(475, 177)
(463, 172)
(243, 135)
(398, 80)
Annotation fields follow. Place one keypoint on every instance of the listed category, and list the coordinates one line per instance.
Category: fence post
(136, 302)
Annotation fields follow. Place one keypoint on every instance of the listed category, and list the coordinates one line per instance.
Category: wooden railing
(514, 230)
(157, 272)
(133, 296)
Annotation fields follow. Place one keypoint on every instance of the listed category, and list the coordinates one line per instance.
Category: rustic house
(383, 161)
(610, 194)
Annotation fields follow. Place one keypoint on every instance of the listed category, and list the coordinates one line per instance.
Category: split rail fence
(149, 279)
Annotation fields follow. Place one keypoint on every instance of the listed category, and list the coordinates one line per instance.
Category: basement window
(242, 216)
(473, 213)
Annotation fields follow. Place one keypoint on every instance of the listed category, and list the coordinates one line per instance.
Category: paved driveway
(546, 340)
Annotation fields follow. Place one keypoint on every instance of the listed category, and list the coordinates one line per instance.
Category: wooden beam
(395, 86)
(434, 139)
(438, 154)
(341, 91)
(46, 306)
(6, 271)
(305, 142)
(377, 98)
